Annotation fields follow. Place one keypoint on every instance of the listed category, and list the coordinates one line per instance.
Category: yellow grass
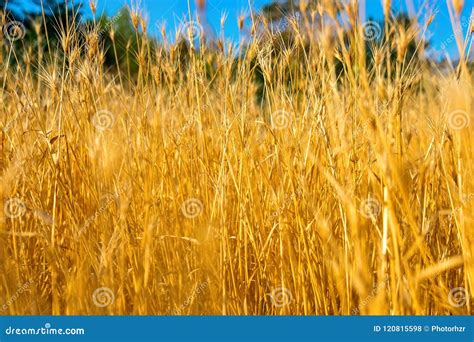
(182, 193)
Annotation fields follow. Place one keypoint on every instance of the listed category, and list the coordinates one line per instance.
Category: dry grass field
(193, 189)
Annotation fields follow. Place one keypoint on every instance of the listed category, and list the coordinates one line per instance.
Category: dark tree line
(58, 12)
(56, 15)
(52, 13)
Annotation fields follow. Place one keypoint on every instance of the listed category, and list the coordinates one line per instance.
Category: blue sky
(173, 11)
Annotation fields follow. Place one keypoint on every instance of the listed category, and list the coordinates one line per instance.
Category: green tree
(122, 51)
(57, 13)
(278, 10)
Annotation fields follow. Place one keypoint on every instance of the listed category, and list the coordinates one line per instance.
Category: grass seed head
(458, 6)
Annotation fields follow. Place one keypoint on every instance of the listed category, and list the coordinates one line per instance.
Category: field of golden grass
(195, 189)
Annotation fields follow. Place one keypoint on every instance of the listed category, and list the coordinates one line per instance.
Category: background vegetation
(317, 168)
